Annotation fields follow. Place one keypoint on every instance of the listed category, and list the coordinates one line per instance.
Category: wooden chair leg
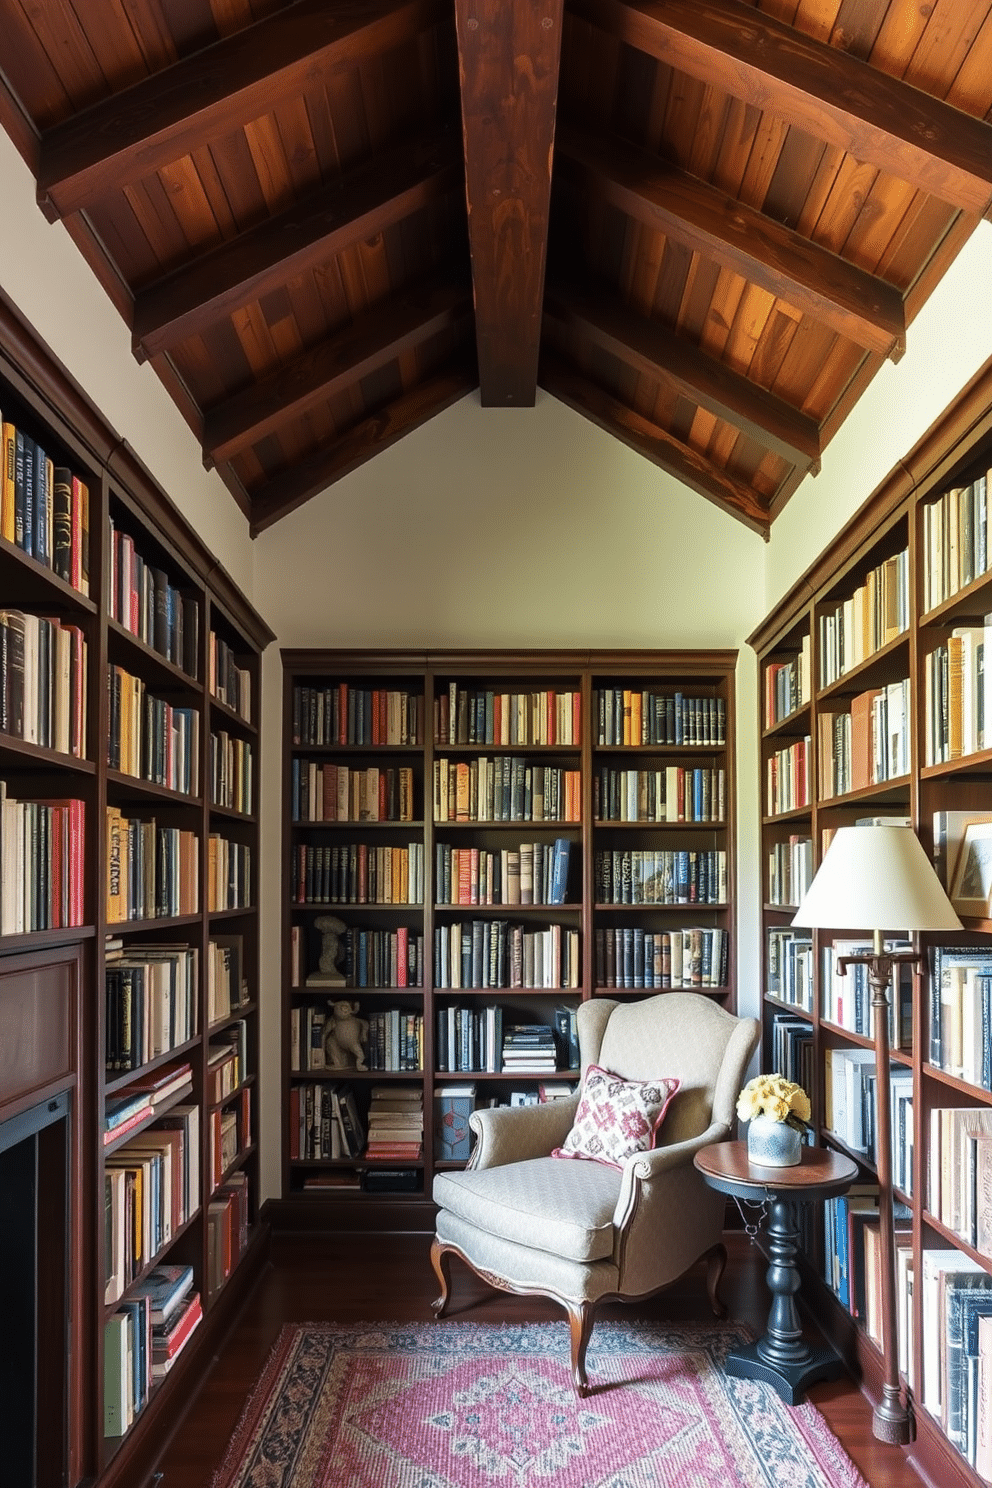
(441, 1261)
(580, 1320)
(717, 1260)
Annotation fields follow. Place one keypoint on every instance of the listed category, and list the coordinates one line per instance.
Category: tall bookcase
(873, 705)
(524, 830)
(129, 761)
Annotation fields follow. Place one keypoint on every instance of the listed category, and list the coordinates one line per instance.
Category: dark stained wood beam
(655, 444)
(368, 343)
(308, 477)
(238, 79)
(508, 51)
(818, 88)
(358, 205)
(858, 305)
(655, 351)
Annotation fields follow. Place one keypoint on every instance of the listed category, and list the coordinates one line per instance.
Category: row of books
(957, 1352)
(958, 695)
(961, 1012)
(792, 1049)
(504, 788)
(372, 958)
(229, 772)
(867, 745)
(228, 873)
(227, 987)
(149, 1094)
(338, 713)
(477, 1039)
(43, 688)
(358, 873)
(472, 715)
(151, 1002)
(636, 717)
(143, 1338)
(849, 1093)
(790, 869)
(656, 876)
(44, 508)
(845, 999)
(674, 794)
(149, 738)
(324, 1122)
(227, 1228)
(226, 681)
(858, 626)
(787, 685)
(955, 541)
(152, 871)
(229, 1132)
(533, 873)
(152, 1189)
(688, 958)
(145, 602)
(227, 1062)
(787, 777)
(959, 1177)
(789, 970)
(329, 792)
(42, 860)
(852, 1257)
(496, 953)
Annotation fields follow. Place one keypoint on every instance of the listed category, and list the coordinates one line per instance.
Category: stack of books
(175, 1311)
(529, 1048)
(396, 1123)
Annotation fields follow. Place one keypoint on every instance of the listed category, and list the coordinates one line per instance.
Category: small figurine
(331, 929)
(345, 1036)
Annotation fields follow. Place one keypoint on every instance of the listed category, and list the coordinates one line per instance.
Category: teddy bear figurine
(345, 1035)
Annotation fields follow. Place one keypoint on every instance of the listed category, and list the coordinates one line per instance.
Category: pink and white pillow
(616, 1117)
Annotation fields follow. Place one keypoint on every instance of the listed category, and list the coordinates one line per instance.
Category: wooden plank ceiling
(704, 224)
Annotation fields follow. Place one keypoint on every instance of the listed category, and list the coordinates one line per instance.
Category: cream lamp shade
(876, 877)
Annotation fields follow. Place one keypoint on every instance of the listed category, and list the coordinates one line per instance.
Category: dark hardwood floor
(368, 1278)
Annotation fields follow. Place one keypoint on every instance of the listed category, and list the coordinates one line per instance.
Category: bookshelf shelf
(129, 553)
(508, 749)
(952, 490)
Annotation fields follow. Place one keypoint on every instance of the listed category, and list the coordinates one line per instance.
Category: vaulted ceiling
(703, 224)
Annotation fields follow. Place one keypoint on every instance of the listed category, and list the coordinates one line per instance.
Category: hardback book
(166, 1287)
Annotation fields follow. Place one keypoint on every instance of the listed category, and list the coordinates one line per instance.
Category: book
(165, 1286)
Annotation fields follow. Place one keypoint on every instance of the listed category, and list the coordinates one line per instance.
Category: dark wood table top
(819, 1174)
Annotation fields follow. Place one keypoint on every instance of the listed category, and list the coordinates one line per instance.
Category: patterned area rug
(464, 1405)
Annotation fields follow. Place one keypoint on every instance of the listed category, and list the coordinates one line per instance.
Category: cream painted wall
(946, 344)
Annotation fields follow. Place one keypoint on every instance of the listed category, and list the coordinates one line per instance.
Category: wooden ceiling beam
(509, 52)
(655, 444)
(317, 374)
(358, 205)
(239, 78)
(308, 477)
(820, 89)
(858, 305)
(656, 352)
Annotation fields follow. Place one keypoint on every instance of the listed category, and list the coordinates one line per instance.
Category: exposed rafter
(654, 351)
(820, 283)
(285, 492)
(509, 52)
(820, 89)
(175, 111)
(356, 206)
(656, 444)
(317, 374)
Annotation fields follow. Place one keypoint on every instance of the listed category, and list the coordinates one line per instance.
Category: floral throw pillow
(616, 1117)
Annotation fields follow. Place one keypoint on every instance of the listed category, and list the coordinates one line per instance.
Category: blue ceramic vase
(773, 1144)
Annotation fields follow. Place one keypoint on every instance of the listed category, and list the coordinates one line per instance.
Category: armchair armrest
(509, 1134)
(643, 1167)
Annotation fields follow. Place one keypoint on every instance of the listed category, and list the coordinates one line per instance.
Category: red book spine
(402, 952)
(187, 1322)
(342, 712)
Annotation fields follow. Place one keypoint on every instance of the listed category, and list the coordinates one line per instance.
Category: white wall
(946, 344)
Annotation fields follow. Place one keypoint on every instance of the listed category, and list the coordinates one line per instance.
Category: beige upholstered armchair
(583, 1231)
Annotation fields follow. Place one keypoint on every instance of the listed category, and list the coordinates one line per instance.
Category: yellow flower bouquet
(777, 1098)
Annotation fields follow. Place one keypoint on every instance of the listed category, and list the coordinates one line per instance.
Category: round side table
(782, 1358)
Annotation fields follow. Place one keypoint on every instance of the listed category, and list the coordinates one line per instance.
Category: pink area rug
(464, 1405)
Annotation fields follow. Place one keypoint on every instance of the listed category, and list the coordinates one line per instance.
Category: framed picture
(971, 886)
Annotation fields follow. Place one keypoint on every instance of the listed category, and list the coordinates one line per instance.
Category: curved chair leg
(441, 1261)
(580, 1320)
(717, 1260)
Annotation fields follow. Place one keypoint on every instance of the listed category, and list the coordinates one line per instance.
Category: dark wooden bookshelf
(956, 450)
(432, 675)
(53, 1005)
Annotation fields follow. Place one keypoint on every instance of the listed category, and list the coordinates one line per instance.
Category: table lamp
(878, 878)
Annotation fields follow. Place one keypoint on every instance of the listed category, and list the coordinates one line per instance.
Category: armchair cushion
(616, 1118)
(547, 1206)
